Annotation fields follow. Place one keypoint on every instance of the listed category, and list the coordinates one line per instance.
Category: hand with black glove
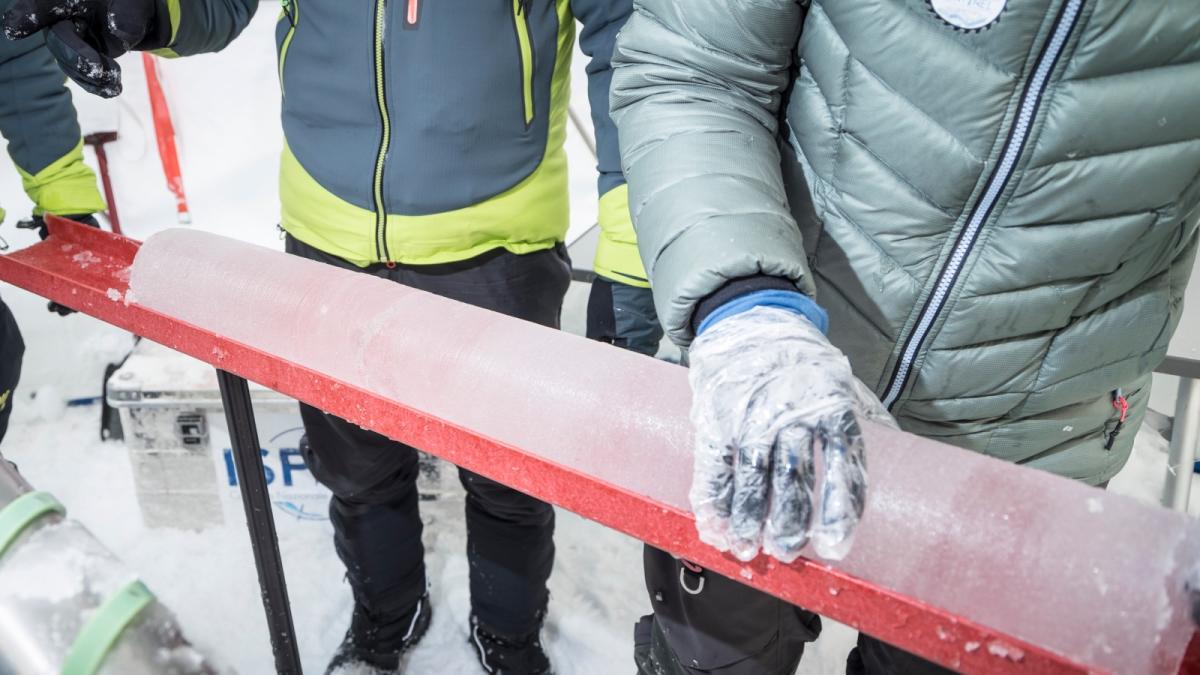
(86, 36)
(39, 223)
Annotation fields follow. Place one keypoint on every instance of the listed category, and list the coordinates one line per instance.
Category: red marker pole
(97, 141)
(164, 132)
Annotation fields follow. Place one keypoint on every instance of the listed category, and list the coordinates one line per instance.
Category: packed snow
(225, 110)
(207, 577)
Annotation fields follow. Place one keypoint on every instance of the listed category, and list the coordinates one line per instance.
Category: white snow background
(225, 110)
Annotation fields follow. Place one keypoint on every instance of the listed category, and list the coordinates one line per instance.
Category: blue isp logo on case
(293, 489)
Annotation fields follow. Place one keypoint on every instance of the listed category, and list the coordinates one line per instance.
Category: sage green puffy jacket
(997, 202)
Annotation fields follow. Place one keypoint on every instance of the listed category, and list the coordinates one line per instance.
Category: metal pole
(239, 414)
(581, 127)
(1185, 437)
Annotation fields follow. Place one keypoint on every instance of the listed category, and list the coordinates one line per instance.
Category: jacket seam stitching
(875, 76)
(684, 230)
(830, 285)
(903, 179)
(1111, 153)
(700, 42)
(960, 47)
(1137, 71)
(1039, 386)
(841, 122)
(871, 240)
(1153, 210)
(1046, 334)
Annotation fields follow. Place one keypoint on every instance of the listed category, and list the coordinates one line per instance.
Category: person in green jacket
(977, 215)
(44, 142)
(424, 144)
(620, 307)
(39, 123)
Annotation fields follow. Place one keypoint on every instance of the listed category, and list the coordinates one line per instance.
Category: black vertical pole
(239, 414)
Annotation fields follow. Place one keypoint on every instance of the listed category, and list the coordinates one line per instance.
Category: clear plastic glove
(767, 390)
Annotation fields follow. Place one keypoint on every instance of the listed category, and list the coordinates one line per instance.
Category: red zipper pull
(412, 13)
(1121, 403)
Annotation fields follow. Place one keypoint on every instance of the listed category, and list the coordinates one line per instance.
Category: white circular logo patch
(969, 14)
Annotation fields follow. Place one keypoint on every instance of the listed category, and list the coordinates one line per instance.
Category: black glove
(86, 36)
(39, 223)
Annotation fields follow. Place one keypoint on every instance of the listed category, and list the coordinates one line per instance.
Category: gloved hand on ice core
(768, 390)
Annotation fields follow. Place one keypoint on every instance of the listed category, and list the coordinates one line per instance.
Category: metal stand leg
(1185, 437)
(239, 414)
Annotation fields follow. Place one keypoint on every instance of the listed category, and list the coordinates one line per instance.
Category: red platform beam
(53, 269)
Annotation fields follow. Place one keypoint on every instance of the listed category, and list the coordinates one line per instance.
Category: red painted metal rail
(53, 269)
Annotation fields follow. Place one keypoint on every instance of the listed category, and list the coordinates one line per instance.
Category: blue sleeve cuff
(793, 301)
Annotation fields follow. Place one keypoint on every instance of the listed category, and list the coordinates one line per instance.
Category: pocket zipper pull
(1121, 404)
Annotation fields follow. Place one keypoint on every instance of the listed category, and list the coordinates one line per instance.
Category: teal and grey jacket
(996, 201)
(39, 123)
(429, 131)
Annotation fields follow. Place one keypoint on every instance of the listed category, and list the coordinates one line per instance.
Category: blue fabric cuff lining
(793, 301)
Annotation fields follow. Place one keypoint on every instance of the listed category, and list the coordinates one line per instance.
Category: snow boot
(509, 655)
(370, 648)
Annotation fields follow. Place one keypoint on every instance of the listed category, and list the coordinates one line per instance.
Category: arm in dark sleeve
(617, 256)
(199, 26)
(601, 20)
(39, 123)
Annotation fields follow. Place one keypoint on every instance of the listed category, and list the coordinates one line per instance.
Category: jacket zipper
(1014, 146)
(293, 18)
(385, 135)
(525, 49)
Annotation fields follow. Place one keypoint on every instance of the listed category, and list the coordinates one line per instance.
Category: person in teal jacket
(44, 142)
(39, 123)
(424, 144)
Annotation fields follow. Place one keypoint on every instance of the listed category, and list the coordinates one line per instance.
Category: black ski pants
(702, 622)
(623, 315)
(12, 352)
(377, 527)
(706, 623)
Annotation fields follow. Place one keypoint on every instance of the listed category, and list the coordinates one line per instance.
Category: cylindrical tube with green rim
(68, 605)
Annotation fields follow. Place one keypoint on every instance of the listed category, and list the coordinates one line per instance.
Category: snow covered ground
(226, 109)
(208, 577)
